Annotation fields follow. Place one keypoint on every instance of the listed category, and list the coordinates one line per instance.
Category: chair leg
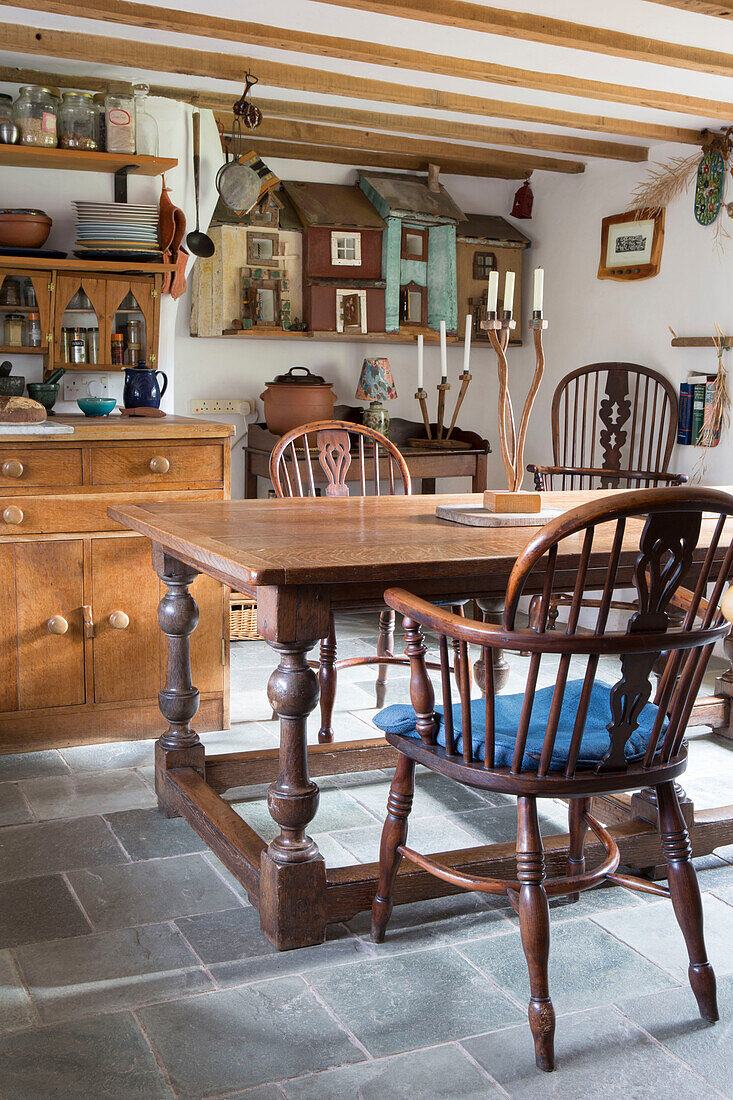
(685, 892)
(385, 648)
(578, 831)
(394, 833)
(327, 682)
(534, 926)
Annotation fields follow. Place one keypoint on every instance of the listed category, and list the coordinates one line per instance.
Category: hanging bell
(523, 201)
(244, 109)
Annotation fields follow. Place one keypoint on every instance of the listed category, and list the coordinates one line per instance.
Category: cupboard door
(67, 286)
(8, 644)
(49, 585)
(124, 609)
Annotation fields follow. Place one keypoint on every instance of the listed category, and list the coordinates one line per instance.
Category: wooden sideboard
(81, 659)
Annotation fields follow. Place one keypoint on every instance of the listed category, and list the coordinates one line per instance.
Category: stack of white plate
(117, 225)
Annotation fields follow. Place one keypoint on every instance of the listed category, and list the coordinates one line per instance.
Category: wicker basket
(242, 618)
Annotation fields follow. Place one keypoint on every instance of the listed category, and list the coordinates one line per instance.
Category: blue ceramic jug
(142, 388)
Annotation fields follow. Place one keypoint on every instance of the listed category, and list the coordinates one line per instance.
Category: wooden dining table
(301, 559)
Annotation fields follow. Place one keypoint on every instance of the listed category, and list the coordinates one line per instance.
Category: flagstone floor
(132, 966)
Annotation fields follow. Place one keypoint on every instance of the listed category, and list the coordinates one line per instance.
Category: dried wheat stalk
(662, 184)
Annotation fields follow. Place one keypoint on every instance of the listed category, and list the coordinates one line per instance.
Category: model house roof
(332, 205)
(406, 196)
(491, 229)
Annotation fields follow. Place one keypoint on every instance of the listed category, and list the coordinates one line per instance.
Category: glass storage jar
(100, 119)
(14, 326)
(34, 113)
(120, 121)
(118, 349)
(6, 107)
(33, 330)
(146, 128)
(77, 120)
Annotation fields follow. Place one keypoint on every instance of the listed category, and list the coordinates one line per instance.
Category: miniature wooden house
(486, 243)
(343, 289)
(253, 280)
(419, 251)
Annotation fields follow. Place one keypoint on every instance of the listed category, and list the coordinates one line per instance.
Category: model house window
(265, 307)
(483, 263)
(262, 249)
(413, 304)
(346, 249)
(414, 244)
(351, 310)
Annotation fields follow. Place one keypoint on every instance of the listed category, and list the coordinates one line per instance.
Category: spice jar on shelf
(10, 292)
(100, 119)
(34, 113)
(118, 349)
(33, 330)
(134, 342)
(14, 330)
(77, 121)
(120, 120)
(28, 293)
(66, 345)
(77, 346)
(92, 345)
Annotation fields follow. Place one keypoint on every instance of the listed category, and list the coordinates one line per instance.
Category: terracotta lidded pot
(294, 399)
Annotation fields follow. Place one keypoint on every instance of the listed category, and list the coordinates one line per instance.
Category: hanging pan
(238, 184)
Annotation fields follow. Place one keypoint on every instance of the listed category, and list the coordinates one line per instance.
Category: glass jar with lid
(14, 329)
(33, 330)
(146, 128)
(34, 113)
(6, 107)
(100, 123)
(77, 119)
(120, 120)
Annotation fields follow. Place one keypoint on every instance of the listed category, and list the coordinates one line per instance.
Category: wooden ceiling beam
(552, 32)
(723, 9)
(397, 123)
(152, 57)
(374, 53)
(289, 150)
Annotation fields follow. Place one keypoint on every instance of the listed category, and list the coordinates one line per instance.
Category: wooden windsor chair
(613, 427)
(375, 464)
(578, 737)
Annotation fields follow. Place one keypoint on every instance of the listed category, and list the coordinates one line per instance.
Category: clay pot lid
(290, 379)
(35, 213)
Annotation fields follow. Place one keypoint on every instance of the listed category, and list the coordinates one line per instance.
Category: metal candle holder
(512, 441)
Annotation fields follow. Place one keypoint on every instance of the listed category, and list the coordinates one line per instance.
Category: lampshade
(376, 382)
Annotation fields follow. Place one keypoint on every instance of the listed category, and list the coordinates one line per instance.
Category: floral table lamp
(376, 385)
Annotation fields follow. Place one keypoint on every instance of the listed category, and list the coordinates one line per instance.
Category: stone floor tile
(31, 765)
(707, 791)
(434, 922)
(35, 909)
(86, 793)
(145, 834)
(434, 794)
(595, 901)
(600, 1055)
(438, 834)
(13, 807)
(42, 849)
(16, 1010)
(673, 1019)
(441, 1073)
(242, 736)
(347, 726)
(588, 967)
(713, 872)
(653, 932)
(409, 1001)
(155, 890)
(334, 853)
(235, 950)
(725, 893)
(113, 755)
(261, 1092)
(228, 1040)
(109, 971)
(104, 1057)
(337, 811)
(224, 873)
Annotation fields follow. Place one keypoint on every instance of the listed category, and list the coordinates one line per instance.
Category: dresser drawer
(159, 464)
(58, 515)
(31, 467)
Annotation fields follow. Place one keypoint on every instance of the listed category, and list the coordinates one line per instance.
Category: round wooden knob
(118, 620)
(726, 605)
(57, 624)
(12, 468)
(159, 464)
(13, 515)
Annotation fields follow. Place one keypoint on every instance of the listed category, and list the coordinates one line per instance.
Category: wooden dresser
(81, 658)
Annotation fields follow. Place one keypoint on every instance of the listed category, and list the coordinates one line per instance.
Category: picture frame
(631, 245)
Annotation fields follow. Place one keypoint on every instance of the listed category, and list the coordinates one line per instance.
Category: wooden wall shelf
(75, 160)
(342, 337)
(40, 263)
(699, 342)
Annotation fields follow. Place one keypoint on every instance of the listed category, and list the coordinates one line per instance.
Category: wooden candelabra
(440, 440)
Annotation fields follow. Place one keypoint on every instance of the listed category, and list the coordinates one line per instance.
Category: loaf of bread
(21, 410)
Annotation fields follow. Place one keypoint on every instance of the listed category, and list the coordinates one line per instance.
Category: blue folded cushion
(400, 719)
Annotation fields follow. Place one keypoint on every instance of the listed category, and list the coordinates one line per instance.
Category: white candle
(419, 361)
(509, 292)
(493, 295)
(467, 343)
(443, 354)
(539, 289)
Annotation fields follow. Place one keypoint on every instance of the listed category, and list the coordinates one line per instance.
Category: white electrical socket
(77, 385)
(215, 406)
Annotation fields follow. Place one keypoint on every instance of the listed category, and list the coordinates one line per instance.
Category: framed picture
(631, 245)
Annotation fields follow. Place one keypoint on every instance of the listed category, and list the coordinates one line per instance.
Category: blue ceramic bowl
(96, 406)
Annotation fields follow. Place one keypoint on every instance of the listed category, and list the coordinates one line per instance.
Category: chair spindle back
(337, 445)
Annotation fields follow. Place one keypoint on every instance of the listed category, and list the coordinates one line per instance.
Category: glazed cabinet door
(49, 579)
(124, 609)
(8, 633)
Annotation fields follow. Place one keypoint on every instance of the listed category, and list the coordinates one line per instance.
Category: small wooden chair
(613, 427)
(578, 737)
(380, 467)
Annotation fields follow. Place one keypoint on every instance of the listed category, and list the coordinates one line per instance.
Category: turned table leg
(493, 612)
(178, 615)
(724, 686)
(292, 871)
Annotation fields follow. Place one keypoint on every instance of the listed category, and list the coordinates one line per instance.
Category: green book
(699, 393)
